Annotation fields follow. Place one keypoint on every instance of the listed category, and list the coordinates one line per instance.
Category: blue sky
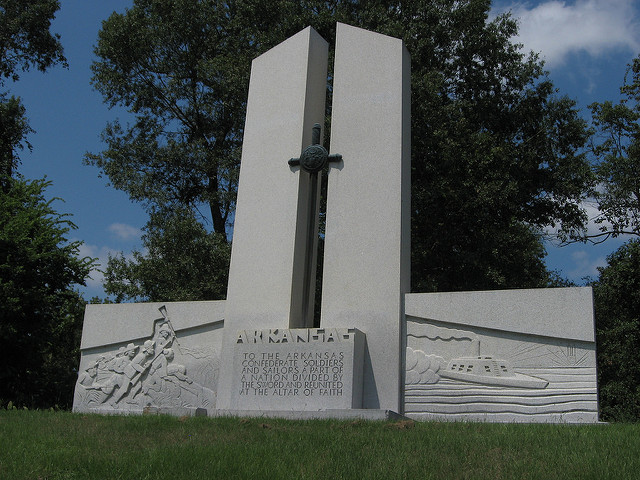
(586, 45)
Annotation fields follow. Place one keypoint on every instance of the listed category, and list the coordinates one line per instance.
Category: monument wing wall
(137, 356)
(512, 356)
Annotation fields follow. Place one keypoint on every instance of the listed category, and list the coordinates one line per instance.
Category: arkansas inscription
(302, 369)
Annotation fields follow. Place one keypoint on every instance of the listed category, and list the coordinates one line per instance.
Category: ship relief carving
(482, 374)
(471, 367)
(157, 372)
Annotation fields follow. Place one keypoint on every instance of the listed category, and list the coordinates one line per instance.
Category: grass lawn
(61, 445)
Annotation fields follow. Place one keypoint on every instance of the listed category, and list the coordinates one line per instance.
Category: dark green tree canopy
(181, 68)
(38, 269)
(617, 149)
(41, 312)
(617, 309)
(616, 146)
(14, 129)
(25, 41)
(182, 261)
(25, 37)
(497, 154)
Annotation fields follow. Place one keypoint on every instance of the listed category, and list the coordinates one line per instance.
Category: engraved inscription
(300, 335)
(310, 369)
(298, 373)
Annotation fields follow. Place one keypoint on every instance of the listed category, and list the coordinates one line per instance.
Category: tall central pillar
(287, 95)
(367, 240)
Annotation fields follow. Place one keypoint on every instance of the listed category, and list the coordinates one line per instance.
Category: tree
(617, 311)
(179, 67)
(14, 129)
(496, 153)
(617, 291)
(617, 147)
(40, 319)
(25, 41)
(41, 313)
(182, 262)
(25, 37)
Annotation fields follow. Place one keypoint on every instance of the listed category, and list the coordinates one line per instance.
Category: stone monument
(519, 355)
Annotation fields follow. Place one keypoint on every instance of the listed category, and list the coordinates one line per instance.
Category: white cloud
(557, 29)
(593, 213)
(124, 231)
(584, 265)
(95, 281)
(96, 277)
(592, 228)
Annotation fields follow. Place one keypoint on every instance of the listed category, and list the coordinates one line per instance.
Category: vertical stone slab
(287, 95)
(367, 242)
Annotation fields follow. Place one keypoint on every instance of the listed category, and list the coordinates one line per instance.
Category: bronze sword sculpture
(312, 160)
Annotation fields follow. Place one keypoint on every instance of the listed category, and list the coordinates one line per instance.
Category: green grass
(62, 445)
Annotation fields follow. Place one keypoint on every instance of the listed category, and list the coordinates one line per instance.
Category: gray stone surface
(367, 241)
(553, 312)
(286, 97)
(161, 355)
(509, 356)
(300, 369)
(348, 414)
(106, 324)
(173, 411)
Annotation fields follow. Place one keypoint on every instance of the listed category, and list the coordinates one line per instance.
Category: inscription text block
(298, 369)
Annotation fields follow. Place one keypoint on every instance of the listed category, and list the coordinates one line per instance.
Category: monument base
(337, 414)
(559, 418)
(173, 411)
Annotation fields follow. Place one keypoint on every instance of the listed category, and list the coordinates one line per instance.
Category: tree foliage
(617, 147)
(25, 37)
(496, 153)
(40, 319)
(25, 41)
(617, 291)
(14, 128)
(180, 67)
(41, 313)
(181, 261)
(617, 309)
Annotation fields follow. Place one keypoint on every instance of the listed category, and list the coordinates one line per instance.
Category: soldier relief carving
(157, 372)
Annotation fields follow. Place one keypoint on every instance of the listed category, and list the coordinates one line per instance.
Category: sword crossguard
(315, 157)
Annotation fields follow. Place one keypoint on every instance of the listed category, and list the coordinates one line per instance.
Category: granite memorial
(518, 355)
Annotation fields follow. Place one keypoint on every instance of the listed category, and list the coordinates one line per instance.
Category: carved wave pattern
(570, 396)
